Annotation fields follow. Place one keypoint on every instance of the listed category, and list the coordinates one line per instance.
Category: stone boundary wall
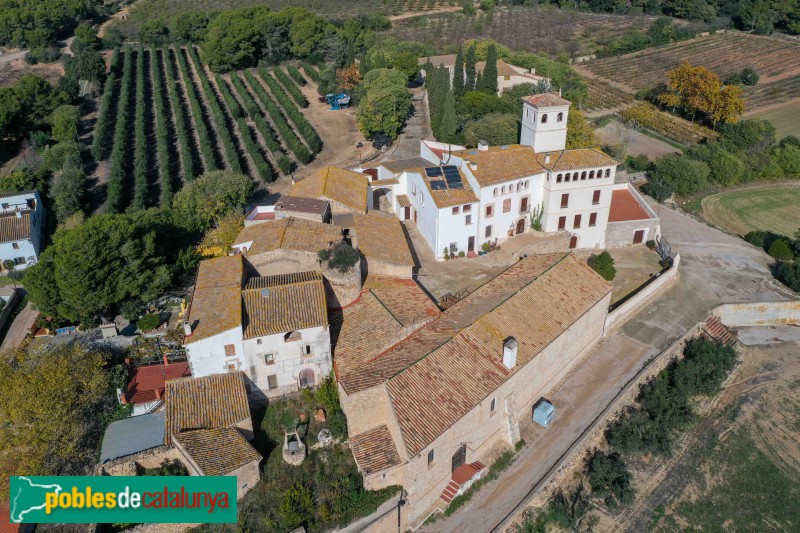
(618, 316)
(572, 460)
(759, 314)
(11, 304)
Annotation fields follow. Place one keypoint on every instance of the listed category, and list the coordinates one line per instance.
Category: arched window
(583, 175)
(560, 177)
(608, 172)
(526, 184)
(560, 117)
(495, 192)
(544, 118)
(566, 177)
(503, 189)
(591, 175)
(519, 186)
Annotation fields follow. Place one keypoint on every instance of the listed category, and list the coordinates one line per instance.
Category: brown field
(604, 97)
(776, 60)
(528, 28)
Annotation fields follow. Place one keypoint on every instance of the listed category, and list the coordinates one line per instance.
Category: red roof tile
(625, 207)
(144, 381)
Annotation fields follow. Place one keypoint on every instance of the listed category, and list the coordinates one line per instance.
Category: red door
(520, 226)
(407, 213)
(573, 242)
(638, 236)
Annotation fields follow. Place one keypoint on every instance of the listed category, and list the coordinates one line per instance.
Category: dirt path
(19, 329)
(414, 14)
(119, 15)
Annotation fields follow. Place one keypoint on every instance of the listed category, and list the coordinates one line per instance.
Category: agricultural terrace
(649, 116)
(776, 60)
(165, 10)
(165, 119)
(605, 98)
(527, 28)
(773, 208)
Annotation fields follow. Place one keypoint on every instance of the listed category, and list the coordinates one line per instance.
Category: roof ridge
(387, 309)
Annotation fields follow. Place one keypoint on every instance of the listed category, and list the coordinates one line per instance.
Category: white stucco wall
(207, 356)
(544, 137)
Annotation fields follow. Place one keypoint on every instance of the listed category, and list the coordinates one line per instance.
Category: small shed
(544, 413)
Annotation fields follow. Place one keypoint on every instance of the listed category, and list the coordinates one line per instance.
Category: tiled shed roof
(381, 237)
(403, 200)
(302, 205)
(15, 228)
(624, 207)
(146, 383)
(337, 184)
(289, 233)
(383, 366)
(215, 401)
(216, 305)
(564, 160)
(499, 164)
(284, 303)
(406, 164)
(546, 100)
(374, 450)
(444, 385)
(217, 451)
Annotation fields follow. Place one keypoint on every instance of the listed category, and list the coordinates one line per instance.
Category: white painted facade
(24, 252)
(544, 128)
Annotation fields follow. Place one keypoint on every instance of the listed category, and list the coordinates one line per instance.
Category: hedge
(181, 123)
(233, 106)
(294, 143)
(303, 126)
(140, 135)
(293, 89)
(162, 133)
(262, 166)
(103, 129)
(313, 73)
(221, 121)
(255, 113)
(116, 177)
(206, 142)
(296, 75)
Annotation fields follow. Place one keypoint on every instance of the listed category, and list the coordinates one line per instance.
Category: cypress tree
(479, 82)
(448, 124)
(489, 78)
(469, 84)
(458, 74)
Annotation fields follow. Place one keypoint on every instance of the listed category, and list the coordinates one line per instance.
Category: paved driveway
(715, 268)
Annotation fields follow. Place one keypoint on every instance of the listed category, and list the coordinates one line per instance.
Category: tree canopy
(202, 202)
(26, 105)
(385, 103)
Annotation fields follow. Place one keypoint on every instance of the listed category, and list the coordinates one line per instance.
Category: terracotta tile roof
(407, 164)
(546, 100)
(284, 303)
(217, 451)
(403, 200)
(448, 60)
(431, 395)
(382, 183)
(381, 237)
(289, 233)
(503, 68)
(374, 450)
(625, 207)
(498, 164)
(216, 401)
(383, 366)
(216, 305)
(388, 310)
(15, 228)
(302, 205)
(146, 383)
(576, 159)
(449, 197)
(337, 184)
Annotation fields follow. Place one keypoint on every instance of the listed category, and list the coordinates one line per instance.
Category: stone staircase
(717, 331)
(461, 480)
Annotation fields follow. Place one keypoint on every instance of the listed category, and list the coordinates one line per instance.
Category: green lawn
(770, 207)
(786, 119)
(748, 492)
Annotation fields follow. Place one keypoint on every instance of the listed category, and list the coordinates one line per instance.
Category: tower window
(560, 178)
(544, 118)
(560, 117)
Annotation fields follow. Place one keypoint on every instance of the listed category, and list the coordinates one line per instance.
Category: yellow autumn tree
(348, 77)
(580, 133)
(217, 241)
(698, 89)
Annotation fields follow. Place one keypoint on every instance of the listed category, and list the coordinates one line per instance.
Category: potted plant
(486, 247)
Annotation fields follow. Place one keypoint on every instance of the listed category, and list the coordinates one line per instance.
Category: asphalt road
(715, 268)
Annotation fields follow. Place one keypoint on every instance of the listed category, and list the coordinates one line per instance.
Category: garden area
(325, 491)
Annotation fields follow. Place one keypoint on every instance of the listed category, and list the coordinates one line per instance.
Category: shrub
(657, 188)
(780, 250)
(296, 75)
(789, 274)
(206, 141)
(149, 322)
(167, 468)
(756, 238)
(461, 253)
(651, 244)
(294, 91)
(305, 129)
(342, 257)
(603, 264)
(130, 309)
(705, 366)
(749, 76)
(610, 479)
(285, 164)
(640, 163)
(117, 175)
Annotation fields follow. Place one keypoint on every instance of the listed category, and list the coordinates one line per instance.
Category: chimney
(546, 159)
(165, 359)
(473, 165)
(187, 328)
(510, 353)
(483, 145)
(158, 394)
(127, 362)
(18, 213)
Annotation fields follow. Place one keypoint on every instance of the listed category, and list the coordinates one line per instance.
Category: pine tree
(458, 74)
(448, 124)
(469, 84)
(489, 78)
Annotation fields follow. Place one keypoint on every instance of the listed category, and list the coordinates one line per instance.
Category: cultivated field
(767, 207)
(529, 28)
(165, 10)
(164, 119)
(785, 118)
(776, 60)
(604, 98)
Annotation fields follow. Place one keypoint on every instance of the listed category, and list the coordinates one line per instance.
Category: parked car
(381, 140)
(543, 413)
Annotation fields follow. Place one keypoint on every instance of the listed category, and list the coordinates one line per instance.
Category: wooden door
(573, 242)
(523, 206)
(638, 236)
(520, 226)
(471, 244)
(407, 213)
(459, 458)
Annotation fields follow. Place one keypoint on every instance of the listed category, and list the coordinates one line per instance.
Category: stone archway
(307, 378)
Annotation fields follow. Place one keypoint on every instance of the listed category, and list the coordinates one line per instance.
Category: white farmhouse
(273, 328)
(508, 75)
(21, 223)
(462, 198)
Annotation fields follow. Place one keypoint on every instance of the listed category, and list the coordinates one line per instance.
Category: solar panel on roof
(438, 185)
(433, 171)
(456, 185)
